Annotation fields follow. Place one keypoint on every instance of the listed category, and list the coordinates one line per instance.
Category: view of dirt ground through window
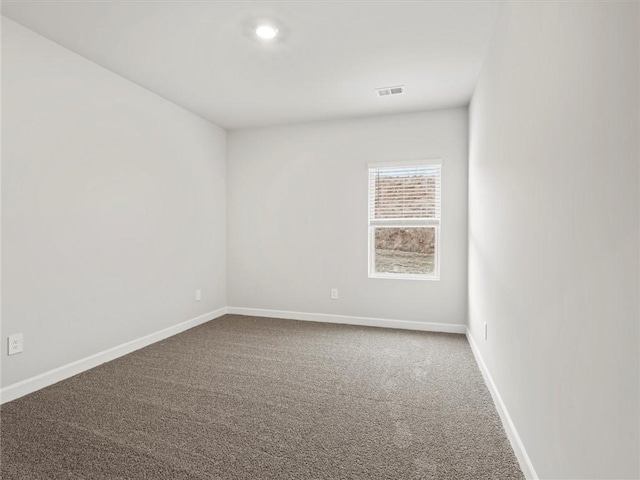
(405, 250)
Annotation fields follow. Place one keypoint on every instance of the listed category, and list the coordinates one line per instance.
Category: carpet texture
(256, 398)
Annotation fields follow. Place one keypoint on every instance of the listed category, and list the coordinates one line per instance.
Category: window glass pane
(405, 193)
(405, 250)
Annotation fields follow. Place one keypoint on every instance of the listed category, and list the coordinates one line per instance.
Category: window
(404, 220)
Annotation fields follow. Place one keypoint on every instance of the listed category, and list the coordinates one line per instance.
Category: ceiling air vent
(385, 91)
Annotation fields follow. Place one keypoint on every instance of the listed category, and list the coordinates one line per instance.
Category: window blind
(404, 195)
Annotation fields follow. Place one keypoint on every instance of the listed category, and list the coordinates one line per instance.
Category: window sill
(399, 276)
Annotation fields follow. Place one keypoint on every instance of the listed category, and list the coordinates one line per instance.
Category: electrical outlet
(486, 331)
(198, 295)
(334, 294)
(15, 344)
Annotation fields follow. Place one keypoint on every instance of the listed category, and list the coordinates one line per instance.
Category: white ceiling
(326, 63)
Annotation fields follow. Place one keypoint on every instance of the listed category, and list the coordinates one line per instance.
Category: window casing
(404, 220)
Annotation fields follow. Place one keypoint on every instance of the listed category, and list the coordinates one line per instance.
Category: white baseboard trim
(345, 319)
(30, 385)
(509, 427)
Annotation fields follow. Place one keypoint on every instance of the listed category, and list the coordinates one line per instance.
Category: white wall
(554, 232)
(297, 216)
(113, 208)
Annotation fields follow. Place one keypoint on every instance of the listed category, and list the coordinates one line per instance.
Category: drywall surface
(554, 232)
(297, 216)
(113, 208)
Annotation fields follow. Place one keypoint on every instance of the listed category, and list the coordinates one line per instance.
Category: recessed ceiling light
(266, 32)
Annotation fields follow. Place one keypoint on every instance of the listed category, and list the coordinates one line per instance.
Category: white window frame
(437, 223)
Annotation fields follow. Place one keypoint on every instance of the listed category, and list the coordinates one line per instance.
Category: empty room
(357, 240)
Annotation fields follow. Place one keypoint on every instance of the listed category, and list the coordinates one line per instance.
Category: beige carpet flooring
(256, 398)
